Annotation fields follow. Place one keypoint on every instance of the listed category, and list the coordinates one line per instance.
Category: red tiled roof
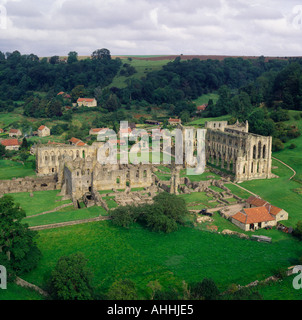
(99, 129)
(10, 142)
(60, 93)
(255, 201)
(1, 130)
(85, 99)
(253, 215)
(174, 120)
(13, 130)
(202, 107)
(41, 127)
(81, 144)
(272, 209)
(74, 140)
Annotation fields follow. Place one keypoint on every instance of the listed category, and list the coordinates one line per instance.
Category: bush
(205, 290)
(122, 290)
(292, 146)
(277, 145)
(71, 279)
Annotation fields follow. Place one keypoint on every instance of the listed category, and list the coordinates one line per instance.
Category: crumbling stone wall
(29, 184)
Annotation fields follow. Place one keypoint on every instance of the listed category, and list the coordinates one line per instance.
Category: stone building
(258, 214)
(78, 172)
(11, 144)
(15, 133)
(43, 131)
(87, 102)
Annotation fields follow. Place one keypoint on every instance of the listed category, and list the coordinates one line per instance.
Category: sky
(152, 27)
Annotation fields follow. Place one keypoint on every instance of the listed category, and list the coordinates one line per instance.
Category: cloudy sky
(214, 27)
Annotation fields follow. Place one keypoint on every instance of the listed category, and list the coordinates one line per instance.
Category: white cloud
(230, 27)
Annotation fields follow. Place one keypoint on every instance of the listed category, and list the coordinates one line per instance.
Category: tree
(206, 289)
(54, 60)
(71, 279)
(122, 290)
(78, 91)
(24, 144)
(123, 216)
(2, 151)
(101, 54)
(72, 57)
(19, 251)
(297, 232)
(112, 103)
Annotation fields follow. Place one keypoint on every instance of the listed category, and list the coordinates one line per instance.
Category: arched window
(254, 152)
(259, 149)
(264, 152)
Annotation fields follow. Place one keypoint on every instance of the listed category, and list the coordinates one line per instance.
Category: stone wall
(29, 184)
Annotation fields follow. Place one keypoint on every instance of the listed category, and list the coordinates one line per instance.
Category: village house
(87, 102)
(174, 122)
(76, 142)
(96, 131)
(43, 131)
(201, 108)
(11, 144)
(258, 214)
(15, 133)
(1, 130)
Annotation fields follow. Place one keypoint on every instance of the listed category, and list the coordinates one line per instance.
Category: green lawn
(205, 98)
(12, 169)
(199, 177)
(144, 256)
(41, 201)
(14, 292)
(65, 215)
(201, 121)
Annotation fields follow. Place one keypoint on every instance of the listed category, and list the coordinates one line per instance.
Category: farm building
(15, 133)
(11, 144)
(258, 214)
(43, 131)
(87, 102)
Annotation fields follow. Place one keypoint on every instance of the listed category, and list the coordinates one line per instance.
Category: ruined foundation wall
(29, 184)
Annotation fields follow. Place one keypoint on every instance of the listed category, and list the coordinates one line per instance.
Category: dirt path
(237, 185)
(68, 223)
(287, 167)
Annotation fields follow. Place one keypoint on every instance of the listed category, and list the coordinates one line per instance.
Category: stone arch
(264, 152)
(259, 150)
(254, 152)
(46, 157)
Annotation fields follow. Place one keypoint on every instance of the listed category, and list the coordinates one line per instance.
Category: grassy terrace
(40, 202)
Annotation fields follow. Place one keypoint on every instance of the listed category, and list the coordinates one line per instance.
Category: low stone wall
(28, 184)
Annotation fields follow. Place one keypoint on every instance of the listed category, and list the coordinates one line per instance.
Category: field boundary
(68, 223)
(287, 167)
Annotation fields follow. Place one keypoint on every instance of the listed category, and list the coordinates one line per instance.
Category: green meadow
(12, 169)
(144, 256)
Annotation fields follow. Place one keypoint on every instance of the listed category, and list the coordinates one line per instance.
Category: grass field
(12, 169)
(143, 256)
(201, 121)
(205, 98)
(40, 202)
(65, 215)
(141, 66)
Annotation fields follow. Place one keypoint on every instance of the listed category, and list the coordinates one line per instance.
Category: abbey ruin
(229, 147)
